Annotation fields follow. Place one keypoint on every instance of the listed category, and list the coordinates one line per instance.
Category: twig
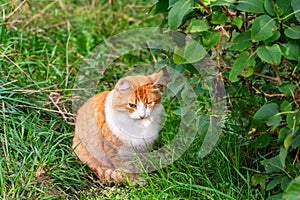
(15, 64)
(5, 84)
(11, 23)
(205, 6)
(40, 13)
(15, 10)
(296, 157)
(55, 103)
(56, 90)
(277, 75)
(72, 116)
(46, 109)
(265, 76)
(266, 94)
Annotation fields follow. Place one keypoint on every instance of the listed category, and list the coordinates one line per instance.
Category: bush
(256, 43)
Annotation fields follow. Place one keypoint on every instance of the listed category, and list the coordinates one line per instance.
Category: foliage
(256, 43)
(41, 49)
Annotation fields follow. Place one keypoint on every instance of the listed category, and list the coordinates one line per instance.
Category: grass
(42, 44)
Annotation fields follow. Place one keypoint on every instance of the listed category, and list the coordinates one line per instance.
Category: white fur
(141, 111)
(133, 132)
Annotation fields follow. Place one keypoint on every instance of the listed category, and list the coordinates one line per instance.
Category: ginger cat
(112, 125)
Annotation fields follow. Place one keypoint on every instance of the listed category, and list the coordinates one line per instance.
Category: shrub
(256, 43)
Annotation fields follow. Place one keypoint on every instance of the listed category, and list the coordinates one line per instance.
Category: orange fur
(98, 139)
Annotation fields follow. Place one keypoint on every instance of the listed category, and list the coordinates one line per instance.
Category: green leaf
(274, 182)
(287, 89)
(263, 28)
(286, 106)
(161, 6)
(274, 121)
(198, 26)
(270, 54)
(288, 141)
(203, 124)
(171, 3)
(211, 137)
(242, 41)
(282, 156)
(269, 6)
(285, 5)
(296, 7)
(241, 65)
(290, 120)
(178, 55)
(190, 53)
(285, 182)
(292, 192)
(218, 17)
(291, 51)
(193, 51)
(274, 37)
(248, 71)
(275, 197)
(293, 32)
(265, 113)
(261, 141)
(278, 10)
(283, 133)
(177, 12)
(210, 39)
(175, 86)
(237, 21)
(296, 142)
(154, 2)
(254, 6)
(272, 165)
(187, 94)
(259, 179)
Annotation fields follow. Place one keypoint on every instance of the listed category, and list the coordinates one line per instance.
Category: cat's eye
(150, 103)
(131, 105)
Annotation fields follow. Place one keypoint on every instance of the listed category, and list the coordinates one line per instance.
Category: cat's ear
(161, 78)
(123, 85)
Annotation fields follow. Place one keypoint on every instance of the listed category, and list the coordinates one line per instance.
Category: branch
(265, 76)
(205, 6)
(266, 94)
(40, 13)
(277, 78)
(13, 12)
(277, 75)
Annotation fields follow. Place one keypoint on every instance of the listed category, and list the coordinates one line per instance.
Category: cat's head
(138, 95)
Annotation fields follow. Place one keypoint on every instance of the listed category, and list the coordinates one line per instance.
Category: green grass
(42, 45)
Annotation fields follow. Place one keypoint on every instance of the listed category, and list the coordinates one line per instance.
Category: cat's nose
(142, 116)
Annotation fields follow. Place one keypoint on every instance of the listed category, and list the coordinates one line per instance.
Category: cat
(113, 125)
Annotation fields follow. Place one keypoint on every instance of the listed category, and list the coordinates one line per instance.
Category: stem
(265, 76)
(266, 94)
(290, 14)
(277, 75)
(205, 6)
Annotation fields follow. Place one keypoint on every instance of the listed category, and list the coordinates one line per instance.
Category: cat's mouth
(140, 118)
